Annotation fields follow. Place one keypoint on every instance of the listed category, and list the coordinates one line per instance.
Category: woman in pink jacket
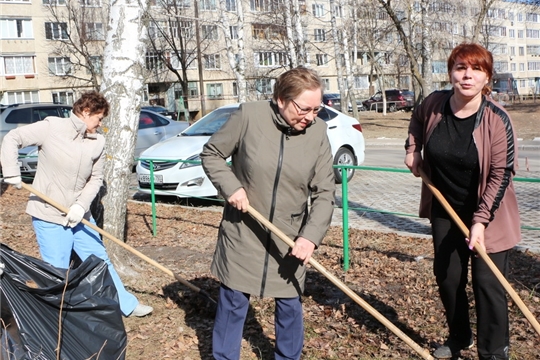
(469, 152)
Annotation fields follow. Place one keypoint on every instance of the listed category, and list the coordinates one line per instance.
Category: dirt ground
(391, 273)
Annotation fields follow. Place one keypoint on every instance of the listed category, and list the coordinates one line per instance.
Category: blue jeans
(229, 323)
(56, 243)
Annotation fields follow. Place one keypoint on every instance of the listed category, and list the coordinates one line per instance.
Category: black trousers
(451, 269)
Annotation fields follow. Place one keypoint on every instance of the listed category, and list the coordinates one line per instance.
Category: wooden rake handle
(121, 243)
(422, 352)
(481, 252)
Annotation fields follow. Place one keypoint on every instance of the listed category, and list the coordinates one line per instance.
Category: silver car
(153, 128)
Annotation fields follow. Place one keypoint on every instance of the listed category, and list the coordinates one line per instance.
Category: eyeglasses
(302, 111)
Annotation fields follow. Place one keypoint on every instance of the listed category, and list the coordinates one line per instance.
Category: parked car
(153, 128)
(359, 106)
(161, 110)
(332, 100)
(409, 97)
(187, 179)
(395, 100)
(12, 116)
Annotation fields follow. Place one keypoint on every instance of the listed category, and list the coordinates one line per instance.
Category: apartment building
(37, 63)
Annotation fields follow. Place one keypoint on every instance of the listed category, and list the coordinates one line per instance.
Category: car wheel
(344, 156)
(392, 108)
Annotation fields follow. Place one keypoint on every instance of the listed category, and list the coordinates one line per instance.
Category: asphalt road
(392, 156)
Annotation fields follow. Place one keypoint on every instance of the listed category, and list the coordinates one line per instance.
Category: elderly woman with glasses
(280, 157)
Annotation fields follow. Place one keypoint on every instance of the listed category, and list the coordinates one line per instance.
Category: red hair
(473, 54)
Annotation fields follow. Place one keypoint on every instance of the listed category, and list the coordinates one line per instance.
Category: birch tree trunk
(123, 87)
(337, 51)
(291, 38)
(299, 32)
(238, 65)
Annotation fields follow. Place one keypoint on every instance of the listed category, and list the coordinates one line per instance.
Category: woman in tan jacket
(70, 171)
(280, 156)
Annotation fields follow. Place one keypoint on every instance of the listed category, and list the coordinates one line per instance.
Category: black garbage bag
(32, 294)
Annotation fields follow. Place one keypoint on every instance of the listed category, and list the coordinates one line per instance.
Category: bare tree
(80, 27)
(123, 84)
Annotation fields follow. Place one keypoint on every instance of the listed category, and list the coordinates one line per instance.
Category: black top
(453, 159)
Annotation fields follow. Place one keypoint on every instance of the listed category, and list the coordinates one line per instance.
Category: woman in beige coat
(280, 157)
(70, 171)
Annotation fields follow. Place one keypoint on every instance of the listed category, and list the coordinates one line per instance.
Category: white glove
(14, 181)
(74, 215)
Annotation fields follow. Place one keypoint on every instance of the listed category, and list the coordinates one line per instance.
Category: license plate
(158, 179)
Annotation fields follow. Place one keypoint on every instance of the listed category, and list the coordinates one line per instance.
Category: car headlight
(196, 162)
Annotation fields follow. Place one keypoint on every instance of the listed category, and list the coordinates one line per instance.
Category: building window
(210, 32)
(20, 97)
(511, 33)
(233, 31)
(208, 5)
(56, 31)
(230, 5)
(235, 89)
(439, 67)
(193, 90)
(521, 51)
(521, 66)
(264, 86)
(54, 2)
(532, 17)
(318, 10)
(62, 97)
(320, 35)
(533, 33)
(16, 29)
(267, 31)
(338, 11)
(60, 66)
(500, 66)
(270, 59)
(17, 65)
(520, 17)
(322, 59)
(96, 62)
(261, 5)
(153, 61)
(212, 62)
(512, 51)
(513, 67)
(533, 66)
(326, 83)
(91, 3)
(520, 34)
(93, 31)
(533, 49)
(16, 1)
(361, 82)
(522, 83)
(214, 91)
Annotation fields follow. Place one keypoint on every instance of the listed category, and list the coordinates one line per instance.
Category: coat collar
(281, 123)
(80, 127)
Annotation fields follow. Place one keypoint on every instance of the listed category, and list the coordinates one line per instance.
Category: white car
(176, 163)
(153, 128)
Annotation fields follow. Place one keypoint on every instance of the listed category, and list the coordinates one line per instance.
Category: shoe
(141, 310)
(451, 348)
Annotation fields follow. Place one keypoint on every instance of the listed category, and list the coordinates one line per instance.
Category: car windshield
(154, 108)
(210, 123)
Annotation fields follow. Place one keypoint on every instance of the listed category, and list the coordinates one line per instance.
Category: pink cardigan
(496, 143)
